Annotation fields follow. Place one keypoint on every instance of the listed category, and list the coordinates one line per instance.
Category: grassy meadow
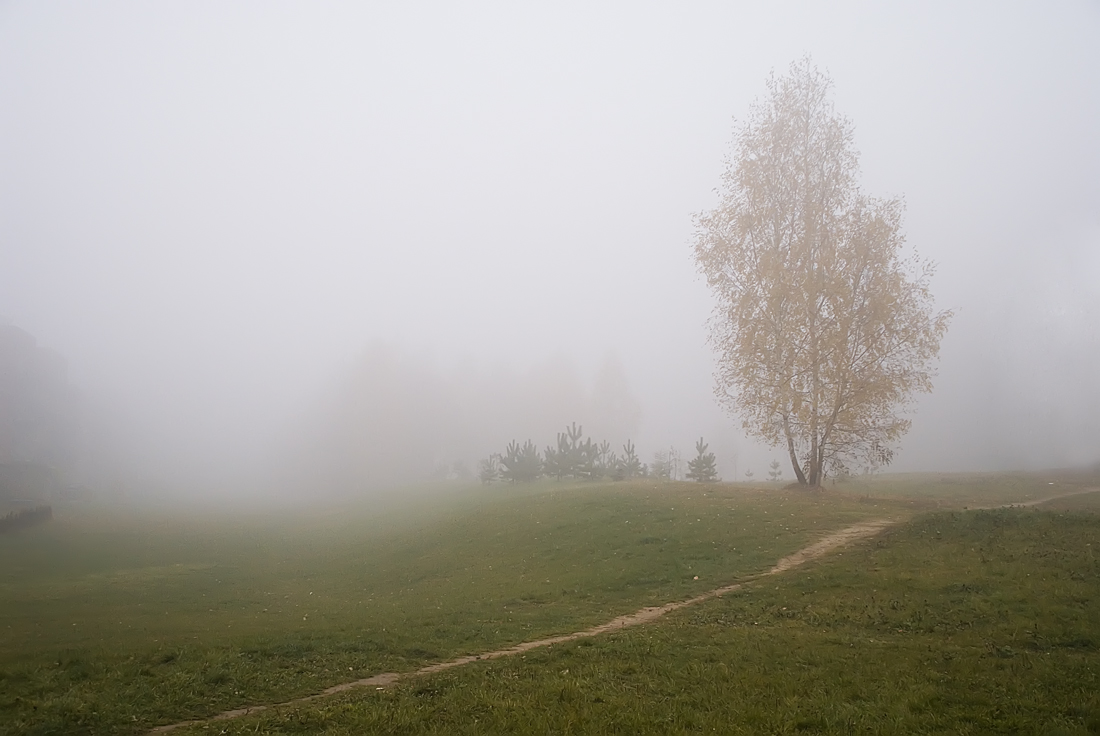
(115, 620)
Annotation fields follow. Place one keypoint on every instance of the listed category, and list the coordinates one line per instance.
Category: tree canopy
(823, 328)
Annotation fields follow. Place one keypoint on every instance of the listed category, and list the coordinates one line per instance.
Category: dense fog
(268, 248)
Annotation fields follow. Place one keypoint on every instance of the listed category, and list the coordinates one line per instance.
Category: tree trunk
(815, 467)
(798, 474)
(817, 460)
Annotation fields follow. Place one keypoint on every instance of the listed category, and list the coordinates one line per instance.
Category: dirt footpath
(642, 616)
(645, 615)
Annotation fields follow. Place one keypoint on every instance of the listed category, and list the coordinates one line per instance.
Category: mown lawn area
(115, 620)
(954, 623)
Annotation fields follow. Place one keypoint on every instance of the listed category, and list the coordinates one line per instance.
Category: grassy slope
(978, 622)
(126, 622)
(119, 623)
(962, 490)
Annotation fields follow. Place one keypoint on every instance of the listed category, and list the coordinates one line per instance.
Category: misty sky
(211, 209)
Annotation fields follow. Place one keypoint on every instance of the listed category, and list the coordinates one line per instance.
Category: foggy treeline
(38, 408)
(38, 416)
(53, 439)
(247, 250)
(390, 417)
(394, 417)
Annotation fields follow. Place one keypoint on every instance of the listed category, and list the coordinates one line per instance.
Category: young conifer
(702, 468)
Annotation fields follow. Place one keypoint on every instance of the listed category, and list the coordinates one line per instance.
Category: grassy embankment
(121, 623)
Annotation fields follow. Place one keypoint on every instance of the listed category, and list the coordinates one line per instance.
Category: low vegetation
(953, 621)
(982, 622)
(13, 521)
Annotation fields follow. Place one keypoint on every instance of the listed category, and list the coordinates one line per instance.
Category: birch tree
(824, 329)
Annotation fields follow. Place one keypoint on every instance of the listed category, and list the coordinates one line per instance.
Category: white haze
(218, 212)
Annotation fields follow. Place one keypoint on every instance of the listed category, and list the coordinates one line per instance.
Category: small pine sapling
(661, 468)
(522, 464)
(702, 468)
(629, 465)
(488, 470)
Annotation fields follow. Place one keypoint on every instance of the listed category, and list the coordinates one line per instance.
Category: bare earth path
(1039, 501)
(645, 615)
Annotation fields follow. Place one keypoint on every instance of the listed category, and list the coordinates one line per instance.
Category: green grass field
(953, 621)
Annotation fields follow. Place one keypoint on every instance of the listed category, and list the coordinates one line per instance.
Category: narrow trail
(642, 616)
(1038, 501)
(645, 615)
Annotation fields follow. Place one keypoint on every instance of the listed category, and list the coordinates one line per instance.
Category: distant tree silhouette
(702, 468)
(661, 467)
(562, 461)
(488, 470)
(629, 466)
(25, 518)
(577, 458)
(521, 464)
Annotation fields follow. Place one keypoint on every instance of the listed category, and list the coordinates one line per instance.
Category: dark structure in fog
(37, 417)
